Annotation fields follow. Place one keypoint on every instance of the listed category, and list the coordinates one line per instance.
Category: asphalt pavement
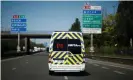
(35, 67)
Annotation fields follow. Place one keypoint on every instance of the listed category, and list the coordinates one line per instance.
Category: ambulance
(66, 52)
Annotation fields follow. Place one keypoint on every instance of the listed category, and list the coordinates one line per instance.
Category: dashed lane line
(119, 72)
(13, 68)
(11, 59)
(100, 62)
(95, 64)
(105, 68)
(27, 62)
(66, 78)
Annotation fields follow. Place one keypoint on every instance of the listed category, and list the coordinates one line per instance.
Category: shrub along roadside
(111, 51)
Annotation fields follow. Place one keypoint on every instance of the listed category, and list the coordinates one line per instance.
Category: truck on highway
(66, 52)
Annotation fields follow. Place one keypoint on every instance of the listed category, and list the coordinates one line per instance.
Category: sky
(48, 15)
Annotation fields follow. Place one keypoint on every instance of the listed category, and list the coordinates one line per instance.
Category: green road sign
(92, 22)
(92, 17)
(92, 25)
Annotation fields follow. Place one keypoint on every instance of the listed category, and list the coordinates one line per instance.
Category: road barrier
(15, 54)
(113, 59)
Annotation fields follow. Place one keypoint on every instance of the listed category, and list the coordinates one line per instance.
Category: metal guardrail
(15, 54)
(113, 59)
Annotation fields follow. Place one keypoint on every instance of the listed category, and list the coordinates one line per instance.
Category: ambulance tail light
(50, 59)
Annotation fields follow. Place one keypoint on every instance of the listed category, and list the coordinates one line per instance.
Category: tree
(107, 38)
(124, 27)
(75, 26)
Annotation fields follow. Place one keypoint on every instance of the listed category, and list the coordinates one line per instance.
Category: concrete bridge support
(27, 45)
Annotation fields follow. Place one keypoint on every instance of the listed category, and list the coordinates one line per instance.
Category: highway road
(35, 67)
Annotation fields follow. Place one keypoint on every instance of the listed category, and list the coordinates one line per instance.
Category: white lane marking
(13, 68)
(11, 59)
(105, 63)
(26, 62)
(66, 78)
(121, 67)
(119, 72)
(14, 58)
(105, 68)
(95, 64)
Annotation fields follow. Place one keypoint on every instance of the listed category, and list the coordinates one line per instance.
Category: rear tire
(82, 71)
(51, 72)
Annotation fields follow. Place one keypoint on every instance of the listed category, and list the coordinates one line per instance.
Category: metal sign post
(18, 24)
(92, 47)
(131, 42)
(18, 46)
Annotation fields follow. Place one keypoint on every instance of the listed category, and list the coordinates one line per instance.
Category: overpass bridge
(27, 36)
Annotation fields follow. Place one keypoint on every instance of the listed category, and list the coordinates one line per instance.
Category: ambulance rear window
(74, 46)
(60, 45)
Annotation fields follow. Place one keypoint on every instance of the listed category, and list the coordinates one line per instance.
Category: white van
(66, 52)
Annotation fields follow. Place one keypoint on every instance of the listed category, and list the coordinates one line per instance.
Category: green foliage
(107, 38)
(75, 26)
(108, 50)
(124, 26)
(117, 30)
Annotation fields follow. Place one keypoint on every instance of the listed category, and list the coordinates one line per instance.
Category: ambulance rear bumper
(66, 68)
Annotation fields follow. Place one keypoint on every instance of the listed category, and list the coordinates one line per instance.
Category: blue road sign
(18, 24)
(91, 11)
(18, 29)
(18, 20)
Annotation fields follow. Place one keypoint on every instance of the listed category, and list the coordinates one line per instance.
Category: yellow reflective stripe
(72, 60)
(62, 54)
(66, 56)
(57, 54)
(68, 62)
(65, 62)
(79, 36)
(52, 53)
(64, 36)
(73, 36)
(53, 62)
(83, 50)
(82, 55)
(75, 58)
(69, 37)
(61, 35)
(80, 58)
(55, 36)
